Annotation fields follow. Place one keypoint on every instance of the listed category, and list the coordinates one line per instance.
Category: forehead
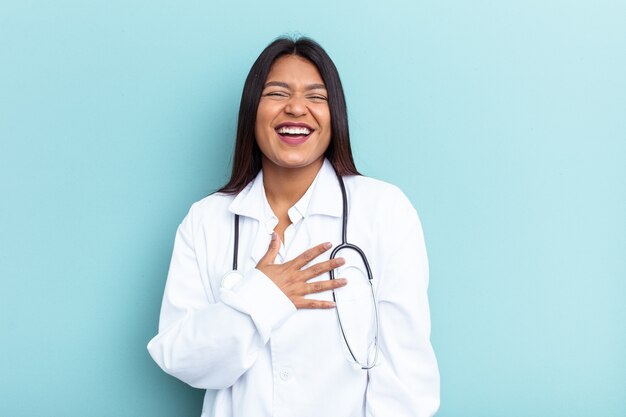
(294, 69)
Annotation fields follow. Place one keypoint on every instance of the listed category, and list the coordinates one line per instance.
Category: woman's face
(293, 119)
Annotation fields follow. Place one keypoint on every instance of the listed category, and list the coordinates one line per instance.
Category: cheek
(323, 117)
(261, 111)
(327, 135)
(261, 125)
(264, 116)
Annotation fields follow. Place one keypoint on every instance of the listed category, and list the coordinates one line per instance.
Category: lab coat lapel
(326, 198)
(260, 244)
(250, 202)
(325, 201)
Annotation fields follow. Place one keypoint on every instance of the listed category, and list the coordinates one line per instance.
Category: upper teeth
(294, 130)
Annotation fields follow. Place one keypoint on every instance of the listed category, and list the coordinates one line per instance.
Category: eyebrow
(285, 85)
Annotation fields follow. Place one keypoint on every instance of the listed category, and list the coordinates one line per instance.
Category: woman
(266, 341)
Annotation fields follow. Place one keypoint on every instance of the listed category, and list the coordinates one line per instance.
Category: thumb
(272, 250)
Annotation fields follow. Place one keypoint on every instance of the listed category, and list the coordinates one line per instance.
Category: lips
(294, 133)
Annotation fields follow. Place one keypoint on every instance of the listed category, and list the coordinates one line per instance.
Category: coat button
(284, 374)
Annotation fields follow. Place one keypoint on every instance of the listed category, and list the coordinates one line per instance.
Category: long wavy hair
(247, 156)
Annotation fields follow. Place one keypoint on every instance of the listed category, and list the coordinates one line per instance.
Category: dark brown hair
(247, 157)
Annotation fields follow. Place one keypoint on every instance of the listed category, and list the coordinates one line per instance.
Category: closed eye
(317, 98)
(276, 94)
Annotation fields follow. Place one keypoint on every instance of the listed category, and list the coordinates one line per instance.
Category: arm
(406, 381)
(210, 344)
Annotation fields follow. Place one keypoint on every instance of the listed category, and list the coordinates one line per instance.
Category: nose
(296, 106)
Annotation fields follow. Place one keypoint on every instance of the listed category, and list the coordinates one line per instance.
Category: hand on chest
(254, 238)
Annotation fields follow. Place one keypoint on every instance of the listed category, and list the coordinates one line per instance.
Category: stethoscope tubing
(343, 246)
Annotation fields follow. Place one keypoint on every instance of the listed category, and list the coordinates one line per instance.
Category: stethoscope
(233, 277)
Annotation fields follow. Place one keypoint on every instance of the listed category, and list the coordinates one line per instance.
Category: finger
(310, 254)
(314, 304)
(322, 267)
(272, 251)
(320, 286)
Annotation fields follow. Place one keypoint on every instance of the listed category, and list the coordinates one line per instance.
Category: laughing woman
(300, 287)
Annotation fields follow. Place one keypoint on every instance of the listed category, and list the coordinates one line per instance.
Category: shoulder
(384, 205)
(377, 193)
(211, 208)
(215, 201)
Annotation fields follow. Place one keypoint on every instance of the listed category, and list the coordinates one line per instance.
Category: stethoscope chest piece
(230, 279)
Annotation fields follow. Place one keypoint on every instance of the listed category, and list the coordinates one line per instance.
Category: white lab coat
(255, 353)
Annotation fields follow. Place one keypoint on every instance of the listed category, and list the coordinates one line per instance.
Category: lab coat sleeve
(406, 381)
(210, 344)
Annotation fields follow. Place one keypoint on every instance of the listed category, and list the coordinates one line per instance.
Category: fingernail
(274, 235)
(342, 281)
(328, 245)
(340, 261)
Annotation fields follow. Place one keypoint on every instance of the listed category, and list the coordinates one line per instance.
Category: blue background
(504, 122)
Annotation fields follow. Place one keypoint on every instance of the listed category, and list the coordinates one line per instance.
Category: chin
(294, 162)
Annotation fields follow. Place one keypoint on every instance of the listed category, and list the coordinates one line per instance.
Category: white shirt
(255, 353)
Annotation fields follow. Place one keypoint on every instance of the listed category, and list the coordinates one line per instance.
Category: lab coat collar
(325, 199)
(249, 202)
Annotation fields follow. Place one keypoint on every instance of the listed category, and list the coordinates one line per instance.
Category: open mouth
(294, 131)
(293, 134)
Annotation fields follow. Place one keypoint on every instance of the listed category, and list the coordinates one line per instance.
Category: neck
(285, 186)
